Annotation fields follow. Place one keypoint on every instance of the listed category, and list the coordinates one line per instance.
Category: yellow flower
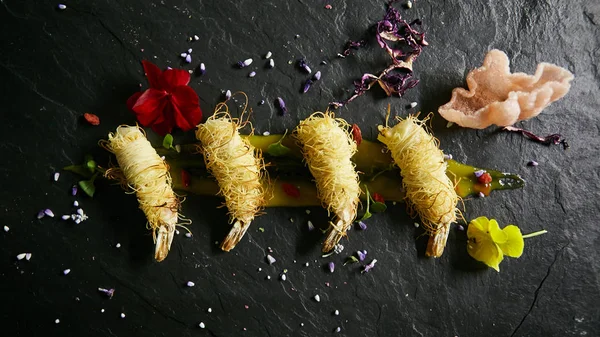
(488, 243)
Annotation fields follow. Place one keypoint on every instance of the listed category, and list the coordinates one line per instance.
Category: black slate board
(55, 65)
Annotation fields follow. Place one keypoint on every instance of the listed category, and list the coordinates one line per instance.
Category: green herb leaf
(260, 229)
(168, 141)
(81, 170)
(367, 213)
(278, 149)
(88, 187)
(351, 259)
(378, 207)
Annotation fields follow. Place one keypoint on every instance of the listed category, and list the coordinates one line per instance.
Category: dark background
(56, 65)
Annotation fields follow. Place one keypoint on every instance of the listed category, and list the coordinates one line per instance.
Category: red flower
(169, 102)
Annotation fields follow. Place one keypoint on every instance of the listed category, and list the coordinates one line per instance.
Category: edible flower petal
(169, 102)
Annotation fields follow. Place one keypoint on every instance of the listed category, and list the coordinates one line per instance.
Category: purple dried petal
(461, 228)
(228, 94)
(74, 190)
(361, 255)
(555, 138)
(252, 74)
(282, 106)
(202, 69)
(270, 259)
(41, 214)
(533, 163)
(331, 267)
(311, 227)
(362, 225)
(369, 266)
(304, 65)
(49, 212)
(306, 86)
(188, 58)
(352, 45)
(108, 292)
(62, 7)
(317, 76)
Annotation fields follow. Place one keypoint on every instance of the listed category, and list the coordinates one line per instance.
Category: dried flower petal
(370, 266)
(270, 259)
(331, 267)
(362, 226)
(554, 138)
(302, 64)
(353, 45)
(317, 76)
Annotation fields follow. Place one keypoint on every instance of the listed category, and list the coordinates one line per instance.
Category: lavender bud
(252, 74)
(282, 106)
(74, 190)
(307, 85)
(202, 69)
(188, 58)
(228, 94)
(369, 266)
(317, 76)
(479, 173)
(533, 163)
(361, 255)
(184, 55)
(245, 63)
(362, 225)
(49, 212)
(62, 7)
(331, 267)
(41, 214)
(311, 227)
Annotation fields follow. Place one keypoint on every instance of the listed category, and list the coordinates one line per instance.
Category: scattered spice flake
(485, 178)
(370, 266)
(202, 325)
(378, 197)
(186, 178)
(356, 134)
(91, 118)
(555, 138)
(290, 190)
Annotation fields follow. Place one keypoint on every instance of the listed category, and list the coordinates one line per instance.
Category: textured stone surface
(56, 65)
